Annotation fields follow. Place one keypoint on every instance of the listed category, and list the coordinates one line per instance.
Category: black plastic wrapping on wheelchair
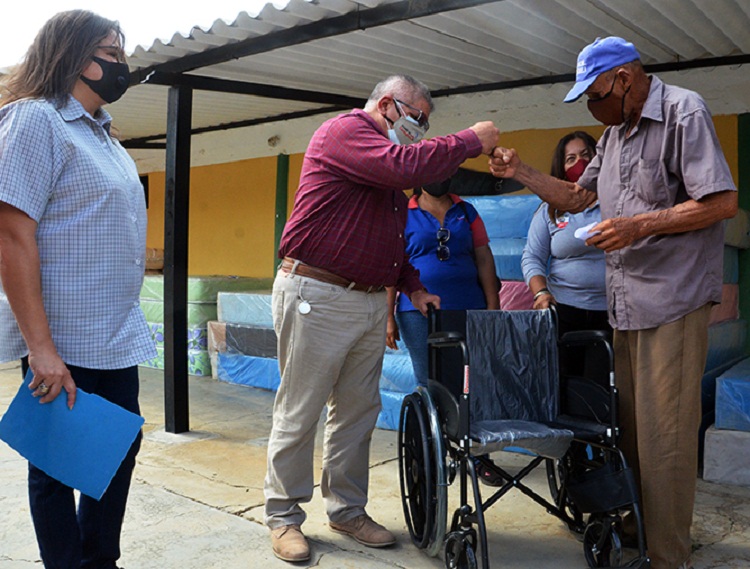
(514, 384)
(603, 489)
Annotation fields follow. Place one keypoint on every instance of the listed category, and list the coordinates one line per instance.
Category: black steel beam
(356, 20)
(176, 208)
(145, 141)
(570, 77)
(257, 89)
(742, 59)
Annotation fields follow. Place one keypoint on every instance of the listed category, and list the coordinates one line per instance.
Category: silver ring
(43, 388)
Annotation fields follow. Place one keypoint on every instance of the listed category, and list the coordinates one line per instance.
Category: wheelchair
(497, 387)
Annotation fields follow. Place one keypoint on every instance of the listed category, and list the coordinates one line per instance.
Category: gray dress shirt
(671, 156)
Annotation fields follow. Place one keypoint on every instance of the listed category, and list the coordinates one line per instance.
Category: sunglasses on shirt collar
(443, 253)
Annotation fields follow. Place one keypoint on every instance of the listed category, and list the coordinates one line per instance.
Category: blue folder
(82, 447)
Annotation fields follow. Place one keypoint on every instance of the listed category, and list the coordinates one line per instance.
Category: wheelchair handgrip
(584, 337)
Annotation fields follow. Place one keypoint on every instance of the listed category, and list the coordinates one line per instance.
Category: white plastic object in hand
(585, 232)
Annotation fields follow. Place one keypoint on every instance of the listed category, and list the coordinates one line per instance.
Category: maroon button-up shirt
(350, 210)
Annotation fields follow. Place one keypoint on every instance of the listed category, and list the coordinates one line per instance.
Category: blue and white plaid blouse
(64, 170)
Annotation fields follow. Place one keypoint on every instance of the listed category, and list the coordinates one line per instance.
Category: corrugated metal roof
(479, 47)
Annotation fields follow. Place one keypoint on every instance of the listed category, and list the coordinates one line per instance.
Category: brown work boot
(289, 544)
(365, 531)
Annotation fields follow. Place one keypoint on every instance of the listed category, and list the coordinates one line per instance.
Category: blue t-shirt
(455, 280)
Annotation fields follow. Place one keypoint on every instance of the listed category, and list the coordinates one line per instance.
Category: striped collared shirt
(65, 171)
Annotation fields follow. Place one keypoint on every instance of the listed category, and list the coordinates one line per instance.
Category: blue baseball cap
(598, 57)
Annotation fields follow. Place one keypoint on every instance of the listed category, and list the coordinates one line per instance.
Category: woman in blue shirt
(73, 240)
(558, 267)
(447, 242)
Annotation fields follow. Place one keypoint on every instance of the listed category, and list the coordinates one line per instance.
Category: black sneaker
(486, 474)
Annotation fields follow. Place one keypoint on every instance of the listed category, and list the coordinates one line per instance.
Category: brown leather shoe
(365, 531)
(289, 544)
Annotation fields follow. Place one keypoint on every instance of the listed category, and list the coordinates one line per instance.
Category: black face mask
(438, 189)
(114, 81)
(606, 110)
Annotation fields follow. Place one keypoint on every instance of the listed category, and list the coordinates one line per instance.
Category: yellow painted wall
(232, 206)
(231, 224)
(727, 131)
(295, 169)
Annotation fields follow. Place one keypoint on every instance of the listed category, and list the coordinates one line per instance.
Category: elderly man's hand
(504, 162)
(615, 233)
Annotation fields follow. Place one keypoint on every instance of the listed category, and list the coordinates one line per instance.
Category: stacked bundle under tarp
(242, 349)
(726, 384)
(507, 219)
(201, 308)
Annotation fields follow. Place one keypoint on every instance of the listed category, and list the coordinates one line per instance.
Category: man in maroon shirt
(343, 244)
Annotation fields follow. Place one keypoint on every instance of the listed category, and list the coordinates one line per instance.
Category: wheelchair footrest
(538, 438)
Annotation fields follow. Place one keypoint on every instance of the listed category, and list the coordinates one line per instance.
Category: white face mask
(406, 130)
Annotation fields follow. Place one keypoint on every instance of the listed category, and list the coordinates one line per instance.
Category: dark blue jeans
(413, 329)
(89, 538)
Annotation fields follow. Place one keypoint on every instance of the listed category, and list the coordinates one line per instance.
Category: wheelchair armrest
(445, 339)
(584, 337)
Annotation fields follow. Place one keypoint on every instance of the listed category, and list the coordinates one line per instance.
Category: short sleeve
(27, 157)
(703, 166)
(538, 247)
(479, 233)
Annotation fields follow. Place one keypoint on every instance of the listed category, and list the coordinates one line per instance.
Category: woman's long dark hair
(61, 51)
(558, 158)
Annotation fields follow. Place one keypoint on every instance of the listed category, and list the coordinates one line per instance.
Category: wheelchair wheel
(459, 551)
(438, 454)
(416, 474)
(602, 545)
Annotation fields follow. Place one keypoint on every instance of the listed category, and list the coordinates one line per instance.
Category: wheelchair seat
(513, 380)
(543, 440)
(583, 429)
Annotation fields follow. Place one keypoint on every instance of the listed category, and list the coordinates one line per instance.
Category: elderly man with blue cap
(664, 187)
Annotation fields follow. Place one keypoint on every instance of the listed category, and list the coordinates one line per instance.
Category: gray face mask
(405, 130)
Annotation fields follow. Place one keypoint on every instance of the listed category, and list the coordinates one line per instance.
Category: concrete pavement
(197, 499)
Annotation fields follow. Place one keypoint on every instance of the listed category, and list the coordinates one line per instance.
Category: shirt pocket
(651, 185)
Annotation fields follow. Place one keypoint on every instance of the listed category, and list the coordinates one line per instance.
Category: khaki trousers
(658, 372)
(331, 356)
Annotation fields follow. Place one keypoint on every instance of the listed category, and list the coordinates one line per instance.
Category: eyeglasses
(113, 51)
(420, 118)
(443, 253)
